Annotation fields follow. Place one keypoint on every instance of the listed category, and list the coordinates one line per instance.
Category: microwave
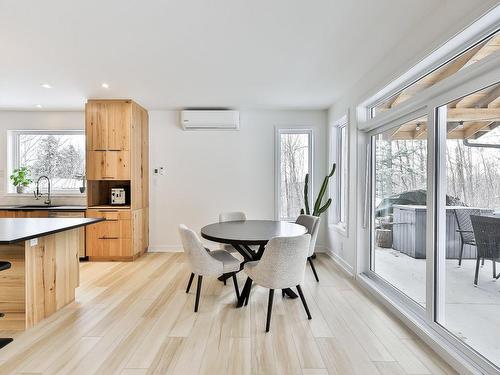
(117, 196)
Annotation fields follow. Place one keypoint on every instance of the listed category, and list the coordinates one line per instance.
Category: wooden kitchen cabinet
(108, 165)
(108, 125)
(81, 234)
(23, 213)
(117, 157)
(117, 237)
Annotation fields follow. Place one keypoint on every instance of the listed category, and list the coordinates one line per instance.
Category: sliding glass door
(400, 207)
(468, 288)
(435, 217)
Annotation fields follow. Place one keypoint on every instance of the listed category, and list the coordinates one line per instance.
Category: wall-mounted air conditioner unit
(210, 120)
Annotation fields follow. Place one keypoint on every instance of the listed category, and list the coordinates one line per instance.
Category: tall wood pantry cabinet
(117, 157)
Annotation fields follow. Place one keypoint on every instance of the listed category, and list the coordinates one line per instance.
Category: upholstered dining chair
(312, 225)
(205, 263)
(282, 266)
(487, 235)
(231, 216)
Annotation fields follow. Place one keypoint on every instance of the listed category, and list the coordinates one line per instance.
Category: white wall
(448, 19)
(208, 172)
(33, 120)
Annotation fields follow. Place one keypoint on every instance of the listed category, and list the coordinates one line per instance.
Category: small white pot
(20, 189)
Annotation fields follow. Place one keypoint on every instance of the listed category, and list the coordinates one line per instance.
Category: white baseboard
(321, 249)
(346, 267)
(165, 249)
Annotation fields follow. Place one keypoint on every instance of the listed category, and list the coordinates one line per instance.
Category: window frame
(13, 156)
(279, 130)
(454, 47)
(336, 156)
(476, 77)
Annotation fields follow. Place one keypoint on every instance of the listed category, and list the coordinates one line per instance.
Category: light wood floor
(135, 318)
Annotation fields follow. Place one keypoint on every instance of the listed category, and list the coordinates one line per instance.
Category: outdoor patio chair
(487, 235)
(465, 229)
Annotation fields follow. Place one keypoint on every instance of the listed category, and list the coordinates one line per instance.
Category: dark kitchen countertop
(22, 229)
(43, 208)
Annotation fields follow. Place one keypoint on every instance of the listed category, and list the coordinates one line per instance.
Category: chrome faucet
(37, 192)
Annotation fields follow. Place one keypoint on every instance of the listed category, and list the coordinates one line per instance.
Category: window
(294, 161)
(59, 155)
(477, 52)
(469, 298)
(433, 198)
(399, 210)
(339, 152)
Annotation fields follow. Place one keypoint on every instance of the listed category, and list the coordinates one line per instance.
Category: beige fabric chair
(282, 266)
(231, 216)
(206, 263)
(312, 225)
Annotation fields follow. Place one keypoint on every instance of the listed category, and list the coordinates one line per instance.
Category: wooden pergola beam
(474, 128)
(474, 114)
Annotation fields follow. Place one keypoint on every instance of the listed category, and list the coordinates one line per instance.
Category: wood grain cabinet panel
(110, 239)
(23, 213)
(117, 157)
(118, 122)
(108, 165)
(107, 125)
(96, 127)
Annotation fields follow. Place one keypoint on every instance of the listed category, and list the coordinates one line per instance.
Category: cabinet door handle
(104, 177)
(111, 219)
(108, 238)
(108, 211)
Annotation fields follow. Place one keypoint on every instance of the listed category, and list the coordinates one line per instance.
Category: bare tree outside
(58, 156)
(473, 173)
(294, 149)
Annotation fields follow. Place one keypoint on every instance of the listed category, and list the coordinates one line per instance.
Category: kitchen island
(44, 271)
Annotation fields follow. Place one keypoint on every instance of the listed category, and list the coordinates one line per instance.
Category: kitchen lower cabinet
(119, 237)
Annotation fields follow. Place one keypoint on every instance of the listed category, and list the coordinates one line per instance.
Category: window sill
(339, 228)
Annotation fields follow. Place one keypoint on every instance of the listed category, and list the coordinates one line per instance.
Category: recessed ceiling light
(104, 85)
(46, 85)
(38, 106)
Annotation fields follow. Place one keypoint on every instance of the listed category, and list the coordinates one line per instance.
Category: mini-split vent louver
(210, 120)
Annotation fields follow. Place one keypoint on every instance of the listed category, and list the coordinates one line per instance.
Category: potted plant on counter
(20, 179)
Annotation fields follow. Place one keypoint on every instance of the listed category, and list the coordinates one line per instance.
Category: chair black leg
(461, 253)
(477, 270)
(482, 262)
(299, 289)
(198, 292)
(494, 268)
(250, 281)
(190, 282)
(4, 342)
(313, 268)
(269, 309)
(236, 289)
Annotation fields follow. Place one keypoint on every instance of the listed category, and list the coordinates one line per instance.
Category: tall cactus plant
(318, 208)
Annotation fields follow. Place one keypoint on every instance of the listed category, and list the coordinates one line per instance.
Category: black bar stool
(4, 341)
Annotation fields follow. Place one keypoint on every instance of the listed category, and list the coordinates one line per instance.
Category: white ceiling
(173, 54)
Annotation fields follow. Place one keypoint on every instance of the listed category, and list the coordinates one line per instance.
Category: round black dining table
(244, 234)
